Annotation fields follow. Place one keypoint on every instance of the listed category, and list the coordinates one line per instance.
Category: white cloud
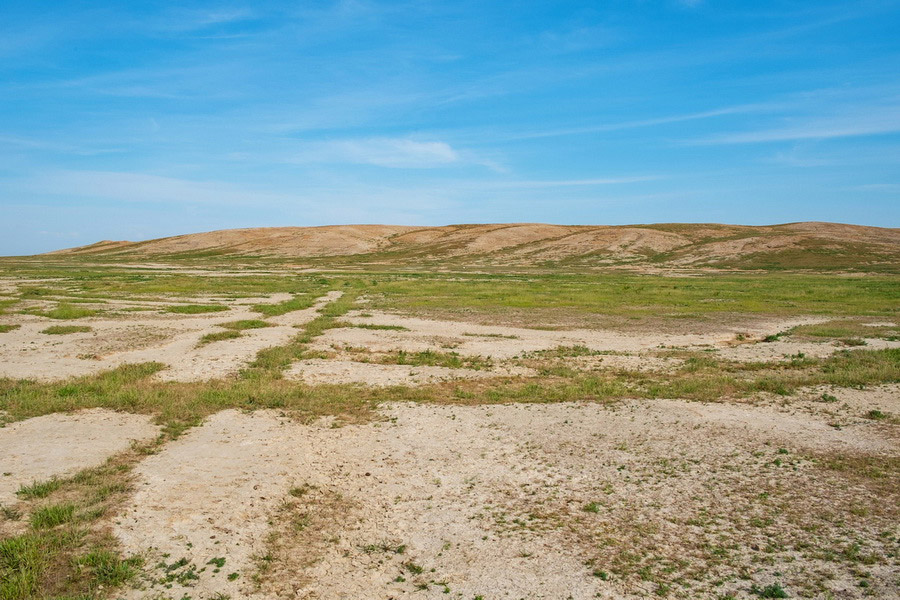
(719, 112)
(190, 20)
(141, 187)
(569, 182)
(861, 121)
(878, 187)
(382, 152)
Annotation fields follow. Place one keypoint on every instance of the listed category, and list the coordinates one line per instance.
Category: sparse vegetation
(696, 547)
(67, 552)
(65, 311)
(246, 324)
(66, 329)
(196, 309)
(281, 308)
(218, 336)
(53, 515)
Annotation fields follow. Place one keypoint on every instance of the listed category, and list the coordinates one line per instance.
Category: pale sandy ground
(483, 340)
(58, 445)
(318, 371)
(168, 338)
(455, 485)
(172, 339)
(785, 349)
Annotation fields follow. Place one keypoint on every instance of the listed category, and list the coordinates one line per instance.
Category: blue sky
(134, 120)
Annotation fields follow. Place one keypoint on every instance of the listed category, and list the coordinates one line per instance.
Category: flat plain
(473, 412)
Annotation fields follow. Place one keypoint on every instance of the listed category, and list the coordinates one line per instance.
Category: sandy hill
(793, 245)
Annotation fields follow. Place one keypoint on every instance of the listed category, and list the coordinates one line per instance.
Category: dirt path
(59, 444)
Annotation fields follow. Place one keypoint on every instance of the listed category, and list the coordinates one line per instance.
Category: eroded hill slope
(794, 245)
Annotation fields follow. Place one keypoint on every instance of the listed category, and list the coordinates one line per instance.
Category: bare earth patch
(58, 445)
(318, 371)
(512, 501)
(507, 342)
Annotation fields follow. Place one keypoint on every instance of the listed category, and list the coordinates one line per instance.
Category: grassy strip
(432, 358)
(281, 308)
(246, 324)
(379, 327)
(66, 550)
(180, 405)
(130, 282)
(847, 329)
(196, 309)
(66, 329)
(64, 311)
(218, 336)
(6, 303)
(8, 328)
(271, 362)
(631, 295)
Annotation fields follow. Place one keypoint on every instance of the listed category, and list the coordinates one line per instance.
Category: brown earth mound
(793, 245)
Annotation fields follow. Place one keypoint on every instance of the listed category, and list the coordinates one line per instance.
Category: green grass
(129, 388)
(66, 329)
(66, 550)
(65, 311)
(196, 309)
(130, 282)
(39, 489)
(7, 328)
(52, 516)
(246, 324)
(566, 352)
(379, 327)
(847, 329)
(271, 362)
(23, 561)
(432, 358)
(281, 308)
(645, 295)
(6, 303)
(106, 567)
(218, 336)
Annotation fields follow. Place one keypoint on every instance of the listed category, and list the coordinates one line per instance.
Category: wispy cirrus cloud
(855, 122)
(551, 183)
(381, 152)
(188, 20)
(635, 124)
(143, 188)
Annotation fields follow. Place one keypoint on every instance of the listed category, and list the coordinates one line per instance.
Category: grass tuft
(246, 324)
(52, 516)
(281, 308)
(218, 336)
(196, 309)
(66, 329)
(39, 489)
(65, 312)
